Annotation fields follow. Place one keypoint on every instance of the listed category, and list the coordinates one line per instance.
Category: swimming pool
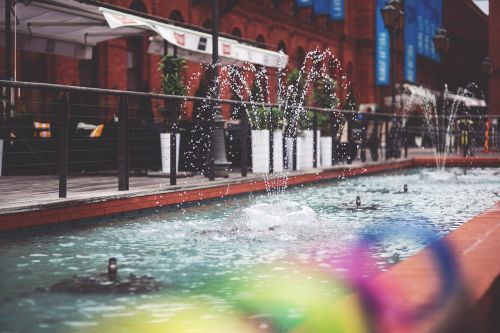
(186, 247)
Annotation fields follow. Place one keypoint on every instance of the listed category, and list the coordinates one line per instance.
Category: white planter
(260, 151)
(305, 150)
(165, 151)
(1, 155)
(289, 153)
(278, 151)
(326, 151)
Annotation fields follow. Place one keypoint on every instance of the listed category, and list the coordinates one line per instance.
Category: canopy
(63, 27)
(196, 45)
(72, 28)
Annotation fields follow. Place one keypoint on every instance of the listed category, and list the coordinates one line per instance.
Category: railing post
(406, 139)
(335, 124)
(294, 159)
(63, 150)
(173, 153)
(350, 139)
(386, 140)
(271, 142)
(211, 149)
(123, 146)
(244, 144)
(315, 139)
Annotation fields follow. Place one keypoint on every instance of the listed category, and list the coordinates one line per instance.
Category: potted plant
(325, 97)
(172, 83)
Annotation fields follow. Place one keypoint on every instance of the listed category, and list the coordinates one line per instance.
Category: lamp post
(441, 44)
(393, 17)
(487, 69)
(216, 159)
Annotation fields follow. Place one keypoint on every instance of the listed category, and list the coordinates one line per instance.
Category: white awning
(72, 28)
(196, 45)
(63, 27)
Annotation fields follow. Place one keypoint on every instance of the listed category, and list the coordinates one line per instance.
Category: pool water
(188, 248)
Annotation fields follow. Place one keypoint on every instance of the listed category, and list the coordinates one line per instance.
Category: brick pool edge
(42, 214)
(475, 308)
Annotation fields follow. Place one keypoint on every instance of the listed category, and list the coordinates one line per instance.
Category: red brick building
(494, 33)
(125, 64)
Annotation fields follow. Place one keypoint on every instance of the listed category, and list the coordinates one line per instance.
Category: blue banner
(433, 28)
(382, 47)
(420, 28)
(321, 7)
(337, 10)
(410, 40)
(439, 19)
(427, 28)
(304, 3)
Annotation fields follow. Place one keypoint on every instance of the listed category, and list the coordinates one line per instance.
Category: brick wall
(352, 42)
(494, 87)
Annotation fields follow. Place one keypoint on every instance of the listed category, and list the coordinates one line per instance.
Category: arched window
(176, 16)
(300, 56)
(350, 70)
(281, 46)
(236, 32)
(261, 40)
(138, 6)
(207, 24)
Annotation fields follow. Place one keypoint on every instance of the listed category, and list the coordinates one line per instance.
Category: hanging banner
(433, 27)
(427, 28)
(304, 3)
(337, 10)
(410, 40)
(321, 7)
(382, 47)
(420, 28)
(439, 19)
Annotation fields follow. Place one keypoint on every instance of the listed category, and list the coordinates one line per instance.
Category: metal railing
(67, 144)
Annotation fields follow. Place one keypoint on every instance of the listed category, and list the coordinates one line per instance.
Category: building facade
(494, 80)
(124, 63)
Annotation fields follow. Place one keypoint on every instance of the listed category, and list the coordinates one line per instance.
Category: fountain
(441, 127)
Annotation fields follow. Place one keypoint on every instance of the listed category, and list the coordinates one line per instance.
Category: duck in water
(360, 207)
(107, 283)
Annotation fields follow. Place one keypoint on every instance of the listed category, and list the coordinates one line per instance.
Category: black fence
(61, 130)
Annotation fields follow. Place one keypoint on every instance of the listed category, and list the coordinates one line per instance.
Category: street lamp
(216, 159)
(393, 16)
(487, 69)
(441, 45)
